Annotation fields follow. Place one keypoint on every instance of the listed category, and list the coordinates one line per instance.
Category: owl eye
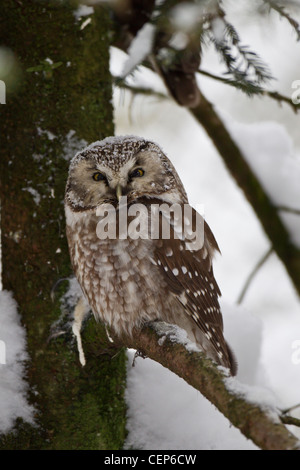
(99, 176)
(137, 173)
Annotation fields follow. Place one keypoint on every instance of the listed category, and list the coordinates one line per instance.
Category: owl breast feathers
(138, 250)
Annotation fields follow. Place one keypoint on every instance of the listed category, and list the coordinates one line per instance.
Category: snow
(13, 388)
(187, 16)
(140, 48)
(35, 194)
(83, 10)
(166, 413)
(41, 131)
(71, 144)
(269, 151)
(175, 334)
(259, 396)
(218, 29)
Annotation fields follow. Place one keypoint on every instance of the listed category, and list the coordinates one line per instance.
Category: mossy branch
(260, 423)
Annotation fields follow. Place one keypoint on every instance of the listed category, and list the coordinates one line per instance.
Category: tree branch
(260, 423)
(266, 212)
(291, 210)
(290, 420)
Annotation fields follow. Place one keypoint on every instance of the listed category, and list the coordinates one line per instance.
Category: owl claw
(138, 354)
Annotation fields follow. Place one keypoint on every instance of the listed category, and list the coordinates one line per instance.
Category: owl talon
(136, 355)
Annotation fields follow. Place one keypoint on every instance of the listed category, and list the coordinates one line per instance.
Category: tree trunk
(64, 99)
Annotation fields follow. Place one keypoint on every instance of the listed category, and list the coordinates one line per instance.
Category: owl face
(121, 166)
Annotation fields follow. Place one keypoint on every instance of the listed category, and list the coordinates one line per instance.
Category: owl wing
(189, 275)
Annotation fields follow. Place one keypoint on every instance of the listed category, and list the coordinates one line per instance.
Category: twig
(275, 95)
(282, 12)
(291, 408)
(291, 210)
(290, 420)
(147, 91)
(141, 90)
(281, 98)
(252, 274)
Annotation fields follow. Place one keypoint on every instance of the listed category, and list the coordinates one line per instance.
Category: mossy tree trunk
(64, 100)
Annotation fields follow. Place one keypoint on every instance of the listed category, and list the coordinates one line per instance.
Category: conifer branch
(245, 69)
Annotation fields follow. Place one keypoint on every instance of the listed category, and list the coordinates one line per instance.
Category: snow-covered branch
(246, 407)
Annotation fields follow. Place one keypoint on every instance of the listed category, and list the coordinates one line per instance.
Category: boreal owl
(131, 269)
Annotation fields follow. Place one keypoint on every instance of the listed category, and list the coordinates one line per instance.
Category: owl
(130, 277)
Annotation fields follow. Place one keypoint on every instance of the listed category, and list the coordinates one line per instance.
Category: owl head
(121, 166)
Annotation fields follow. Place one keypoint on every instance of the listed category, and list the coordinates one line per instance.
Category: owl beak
(119, 191)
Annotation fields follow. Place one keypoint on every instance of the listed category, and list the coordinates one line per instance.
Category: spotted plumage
(130, 280)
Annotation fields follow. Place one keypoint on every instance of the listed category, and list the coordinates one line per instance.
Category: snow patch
(72, 145)
(260, 396)
(175, 334)
(140, 48)
(83, 10)
(36, 195)
(13, 388)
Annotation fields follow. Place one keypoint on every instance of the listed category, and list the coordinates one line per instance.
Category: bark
(76, 408)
